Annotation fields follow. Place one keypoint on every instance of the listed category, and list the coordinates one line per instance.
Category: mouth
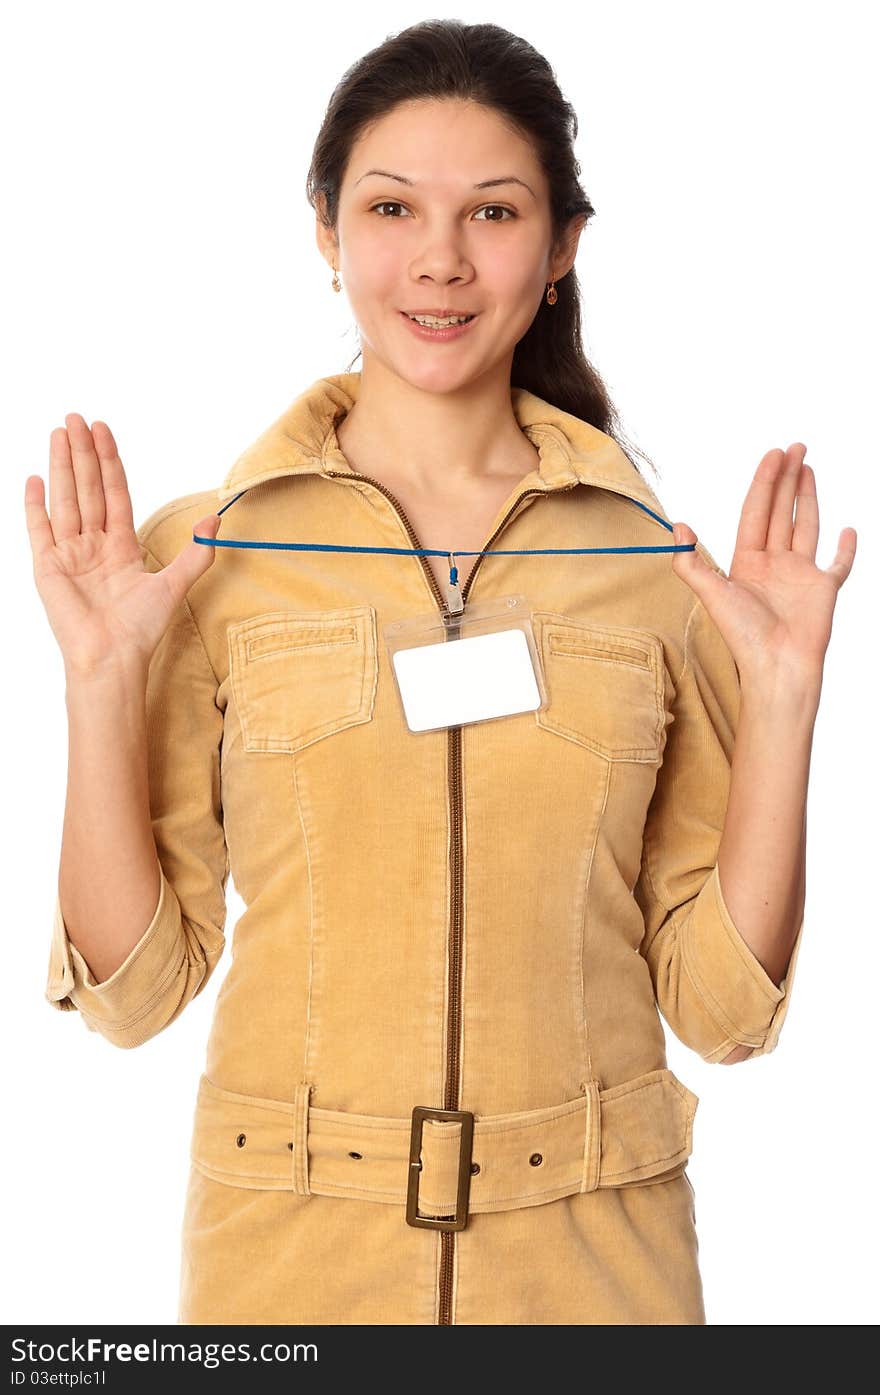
(433, 316)
(441, 331)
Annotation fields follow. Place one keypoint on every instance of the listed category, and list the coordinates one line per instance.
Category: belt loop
(300, 1138)
(592, 1136)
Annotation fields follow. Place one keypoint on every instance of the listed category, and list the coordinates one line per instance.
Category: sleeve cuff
(132, 989)
(732, 983)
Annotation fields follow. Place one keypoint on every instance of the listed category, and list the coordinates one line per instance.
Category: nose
(442, 259)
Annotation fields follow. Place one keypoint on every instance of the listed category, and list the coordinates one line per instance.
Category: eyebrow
(484, 183)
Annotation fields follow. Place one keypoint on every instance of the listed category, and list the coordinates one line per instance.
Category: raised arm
(121, 950)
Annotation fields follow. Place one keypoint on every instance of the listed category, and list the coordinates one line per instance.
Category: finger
(192, 560)
(42, 539)
(782, 514)
(805, 537)
(87, 472)
(703, 580)
(755, 517)
(63, 505)
(844, 557)
(118, 513)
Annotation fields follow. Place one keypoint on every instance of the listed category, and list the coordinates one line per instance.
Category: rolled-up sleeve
(710, 986)
(179, 949)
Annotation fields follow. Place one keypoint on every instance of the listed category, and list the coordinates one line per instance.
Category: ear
(324, 236)
(566, 252)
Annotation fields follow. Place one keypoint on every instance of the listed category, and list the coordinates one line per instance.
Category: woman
(436, 1087)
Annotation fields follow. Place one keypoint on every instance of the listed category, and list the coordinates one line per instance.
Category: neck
(437, 442)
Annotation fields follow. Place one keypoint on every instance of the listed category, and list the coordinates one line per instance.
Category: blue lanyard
(441, 552)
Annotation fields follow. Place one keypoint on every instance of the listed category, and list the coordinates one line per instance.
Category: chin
(439, 378)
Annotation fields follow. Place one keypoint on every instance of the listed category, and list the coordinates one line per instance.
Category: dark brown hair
(443, 59)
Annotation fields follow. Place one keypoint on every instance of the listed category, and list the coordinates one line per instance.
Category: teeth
(433, 322)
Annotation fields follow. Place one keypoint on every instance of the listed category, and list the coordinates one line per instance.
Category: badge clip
(454, 598)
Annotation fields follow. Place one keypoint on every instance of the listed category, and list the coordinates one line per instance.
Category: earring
(552, 295)
(336, 283)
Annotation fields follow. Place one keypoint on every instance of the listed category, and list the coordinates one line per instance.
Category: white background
(161, 272)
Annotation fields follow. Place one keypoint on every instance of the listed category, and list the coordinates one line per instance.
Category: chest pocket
(605, 687)
(300, 676)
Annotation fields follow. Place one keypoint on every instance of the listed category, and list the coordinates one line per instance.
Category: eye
(500, 207)
(391, 203)
(387, 203)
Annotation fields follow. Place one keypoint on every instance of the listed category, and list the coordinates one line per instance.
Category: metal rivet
(355, 1155)
(241, 1139)
(536, 1159)
(475, 1167)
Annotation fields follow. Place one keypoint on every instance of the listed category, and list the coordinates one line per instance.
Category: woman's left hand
(775, 607)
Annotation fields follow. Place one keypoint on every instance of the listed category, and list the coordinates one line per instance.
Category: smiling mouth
(445, 322)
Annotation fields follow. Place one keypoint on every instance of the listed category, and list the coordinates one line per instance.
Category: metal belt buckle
(459, 1220)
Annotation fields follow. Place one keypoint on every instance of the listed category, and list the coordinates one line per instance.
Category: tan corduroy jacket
(482, 919)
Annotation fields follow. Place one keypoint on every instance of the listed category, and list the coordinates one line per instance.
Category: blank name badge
(473, 667)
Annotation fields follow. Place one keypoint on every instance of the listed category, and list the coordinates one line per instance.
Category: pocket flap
(606, 687)
(300, 676)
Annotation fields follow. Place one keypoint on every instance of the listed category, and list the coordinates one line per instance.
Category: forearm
(109, 878)
(762, 854)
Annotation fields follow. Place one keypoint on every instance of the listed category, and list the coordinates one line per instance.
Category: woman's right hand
(105, 609)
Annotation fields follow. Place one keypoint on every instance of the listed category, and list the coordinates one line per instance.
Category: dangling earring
(552, 295)
(336, 283)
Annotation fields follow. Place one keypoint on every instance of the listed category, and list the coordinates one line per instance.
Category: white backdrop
(161, 273)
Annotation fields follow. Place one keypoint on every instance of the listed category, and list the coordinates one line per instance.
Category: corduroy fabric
(589, 902)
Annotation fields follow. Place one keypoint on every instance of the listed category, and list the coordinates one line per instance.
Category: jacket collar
(303, 441)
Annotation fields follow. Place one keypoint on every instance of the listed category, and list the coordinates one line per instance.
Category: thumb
(682, 534)
(194, 559)
(692, 568)
(689, 565)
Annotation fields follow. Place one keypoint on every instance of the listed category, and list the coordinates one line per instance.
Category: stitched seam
(756, 971)
(618, 1171)
(350, 1189)
(283, 1107)
(304, 1074)
(673, 914)
(589, 1098)
(242, 1179)
(190, 616)
(710, 1002)
(687, 631)
(262, 1177)
(120, 1024)
(585, 921)
(648, 845)
(646, 863)
(608, 1097)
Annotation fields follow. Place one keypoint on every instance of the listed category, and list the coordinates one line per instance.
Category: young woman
(436, 1087)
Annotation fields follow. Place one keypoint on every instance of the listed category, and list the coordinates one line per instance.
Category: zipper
(411, 532)
(452, 1081)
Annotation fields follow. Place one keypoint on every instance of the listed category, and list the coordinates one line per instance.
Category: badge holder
(457, 669)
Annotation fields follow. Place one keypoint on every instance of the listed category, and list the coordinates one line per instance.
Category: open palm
(775, 607)
(104, 607)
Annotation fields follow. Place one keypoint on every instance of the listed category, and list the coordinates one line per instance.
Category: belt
(443, 1165)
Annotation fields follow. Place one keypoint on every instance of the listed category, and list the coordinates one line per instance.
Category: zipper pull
(454, 598)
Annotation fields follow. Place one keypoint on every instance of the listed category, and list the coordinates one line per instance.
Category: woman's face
(431, 240)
